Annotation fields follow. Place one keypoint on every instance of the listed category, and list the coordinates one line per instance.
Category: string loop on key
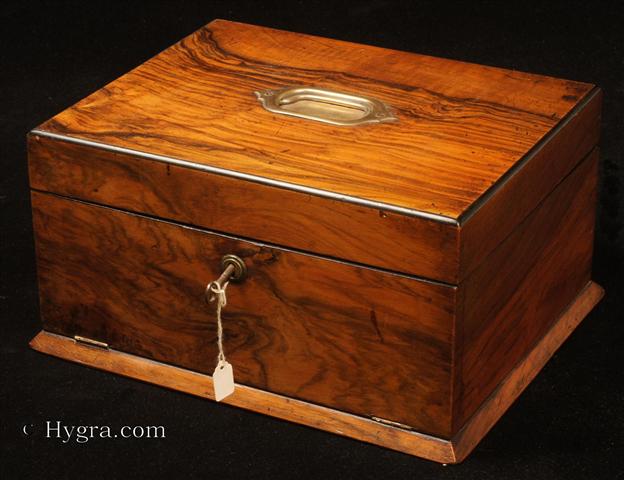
(235, 270)
(214, 290)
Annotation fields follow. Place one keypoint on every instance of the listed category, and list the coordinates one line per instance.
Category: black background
(568, 423)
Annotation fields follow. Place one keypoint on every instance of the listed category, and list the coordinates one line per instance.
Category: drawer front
(352, 338)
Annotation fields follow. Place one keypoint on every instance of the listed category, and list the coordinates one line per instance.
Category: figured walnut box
(417, 232)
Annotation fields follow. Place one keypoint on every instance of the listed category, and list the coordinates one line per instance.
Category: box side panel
(283, 217)
(351, 338)
(496, 215)
(511, 299)
(524, 372)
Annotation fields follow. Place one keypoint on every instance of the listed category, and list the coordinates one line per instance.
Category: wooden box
(417, 232)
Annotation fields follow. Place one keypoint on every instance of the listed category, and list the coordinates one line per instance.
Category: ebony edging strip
(500, 183)
(251, 178)
(483, 199)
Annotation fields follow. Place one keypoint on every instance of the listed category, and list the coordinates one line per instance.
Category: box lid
(460, 131)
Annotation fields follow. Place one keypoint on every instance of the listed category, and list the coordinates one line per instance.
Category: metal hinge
(90, 342)
(391, 423)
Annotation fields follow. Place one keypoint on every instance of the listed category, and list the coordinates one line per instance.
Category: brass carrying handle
(234, 270)
(326, 106)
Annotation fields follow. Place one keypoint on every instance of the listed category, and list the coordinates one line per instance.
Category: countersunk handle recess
(328, 106)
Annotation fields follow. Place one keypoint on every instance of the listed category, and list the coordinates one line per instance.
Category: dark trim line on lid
(463, 218)
(252, 178)
(506, 177)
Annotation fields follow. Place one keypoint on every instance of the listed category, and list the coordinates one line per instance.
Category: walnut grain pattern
(356, 339)
(461, 125)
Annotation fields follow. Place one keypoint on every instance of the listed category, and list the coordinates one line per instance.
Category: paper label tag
(223, 380)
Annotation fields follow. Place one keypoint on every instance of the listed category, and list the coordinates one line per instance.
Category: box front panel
(352, 338)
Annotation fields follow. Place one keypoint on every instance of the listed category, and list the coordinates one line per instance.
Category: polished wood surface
(513, 297)
(499, 215)
(524, 372)
(246, 209)
(335, 421)
(457, 139)
(350, 311)
(249, 398)
(461, 126)
(353, 338)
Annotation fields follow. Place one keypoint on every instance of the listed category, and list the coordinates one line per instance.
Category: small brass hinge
(391, 423)
(90, 342)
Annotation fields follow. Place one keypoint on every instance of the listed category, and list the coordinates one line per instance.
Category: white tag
(223, 380)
